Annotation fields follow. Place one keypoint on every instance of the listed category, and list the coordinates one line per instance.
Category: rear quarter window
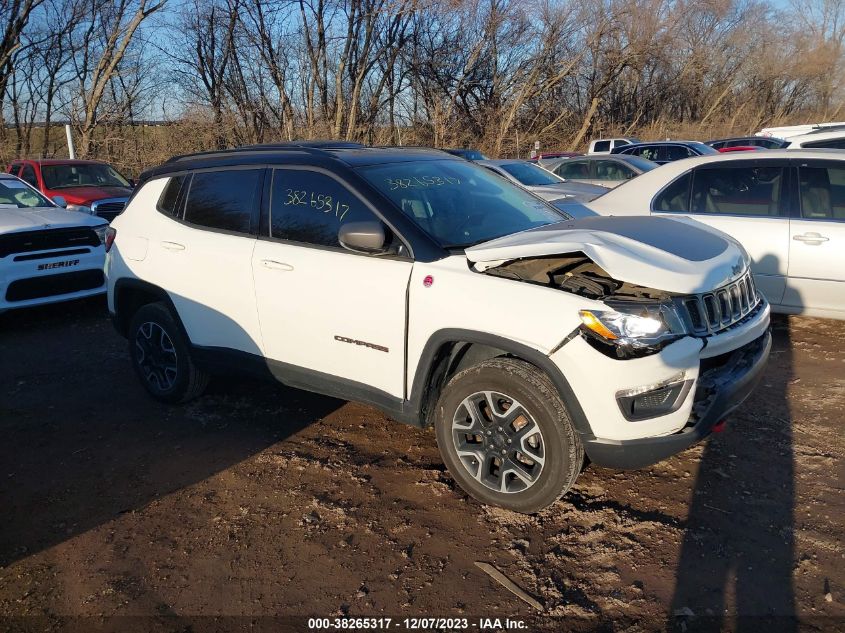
(674, 197)
(171, 202)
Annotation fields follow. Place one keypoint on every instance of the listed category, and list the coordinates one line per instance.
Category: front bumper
(723, 384)
(38, 278)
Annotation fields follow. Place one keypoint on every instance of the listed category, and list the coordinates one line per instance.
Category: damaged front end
(638, 321)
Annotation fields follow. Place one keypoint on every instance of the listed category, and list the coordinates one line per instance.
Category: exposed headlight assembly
(631, 330)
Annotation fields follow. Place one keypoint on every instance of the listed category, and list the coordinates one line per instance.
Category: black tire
(177, 379)
(557, 443)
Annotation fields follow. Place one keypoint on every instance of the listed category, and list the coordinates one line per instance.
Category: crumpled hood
(12, 220)
(659, 253)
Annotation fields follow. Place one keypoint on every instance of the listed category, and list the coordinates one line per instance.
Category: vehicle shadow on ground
(66, 468)
(735, 567)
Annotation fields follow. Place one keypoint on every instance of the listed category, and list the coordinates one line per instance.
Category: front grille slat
(711, 312)
(47, 240)
(108, 208)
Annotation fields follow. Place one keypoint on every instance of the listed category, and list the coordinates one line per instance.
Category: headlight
(81, 208)
(631, 330)
(101, 232)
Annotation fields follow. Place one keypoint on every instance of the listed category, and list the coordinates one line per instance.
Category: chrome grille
(108, 208)
(711, 312)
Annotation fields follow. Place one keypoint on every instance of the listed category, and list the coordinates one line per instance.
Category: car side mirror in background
(60, 200)
(362, 237)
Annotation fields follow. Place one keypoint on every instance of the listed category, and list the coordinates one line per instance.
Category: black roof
(318, 153)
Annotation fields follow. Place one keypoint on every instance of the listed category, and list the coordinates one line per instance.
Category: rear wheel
(506, 436)
(161, 357)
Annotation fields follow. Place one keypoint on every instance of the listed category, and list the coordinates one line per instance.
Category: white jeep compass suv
(437, 291)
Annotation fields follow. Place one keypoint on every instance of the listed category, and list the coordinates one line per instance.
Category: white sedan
(787, 207)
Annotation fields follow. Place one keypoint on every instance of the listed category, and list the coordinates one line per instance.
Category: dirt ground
(257, 501)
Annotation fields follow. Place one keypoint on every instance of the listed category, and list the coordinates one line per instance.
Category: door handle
(811, 238)
(274, 265)
(173, 246)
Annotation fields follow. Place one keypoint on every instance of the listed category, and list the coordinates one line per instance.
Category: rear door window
(613, 170)
(677, 152)
(822, 192)
(738, 190)
(601, 146)
(224, 200)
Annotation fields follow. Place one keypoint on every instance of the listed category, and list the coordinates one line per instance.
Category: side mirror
(60, 200)
(362, 237)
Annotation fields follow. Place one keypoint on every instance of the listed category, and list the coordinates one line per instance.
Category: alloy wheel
(156, 356)
(498, 442)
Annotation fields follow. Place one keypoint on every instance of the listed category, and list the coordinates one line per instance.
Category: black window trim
(266, 220)
(797, 203)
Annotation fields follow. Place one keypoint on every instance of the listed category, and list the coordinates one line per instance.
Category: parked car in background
(552, 158)
(789, 131)
(606, 145)
(818, 140)
(787, 207)
(47, 254)
(469, 154)
(441, 293)
(87, 186)
(741, 148)
(602, 169)
(766, 142)
(541, 182)
(662, 152)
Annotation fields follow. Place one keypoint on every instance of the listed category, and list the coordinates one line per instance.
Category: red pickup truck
(89, 186)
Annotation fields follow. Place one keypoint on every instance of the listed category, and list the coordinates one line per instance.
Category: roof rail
(269, 147)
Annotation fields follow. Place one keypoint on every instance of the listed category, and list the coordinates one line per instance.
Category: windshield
(531, 175)
(640, 163)
(702, 148)
(458, 203)
(16, 194)
(81, 175)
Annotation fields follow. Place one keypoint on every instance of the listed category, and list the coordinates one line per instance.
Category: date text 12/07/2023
(418, 624)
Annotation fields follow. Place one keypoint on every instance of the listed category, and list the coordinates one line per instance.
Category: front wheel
(161, 358)
(506, 436)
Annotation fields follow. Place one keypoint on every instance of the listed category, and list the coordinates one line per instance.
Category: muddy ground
(258, 500)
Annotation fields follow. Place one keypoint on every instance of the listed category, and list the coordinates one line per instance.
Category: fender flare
(121, 321)
(428, 360)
